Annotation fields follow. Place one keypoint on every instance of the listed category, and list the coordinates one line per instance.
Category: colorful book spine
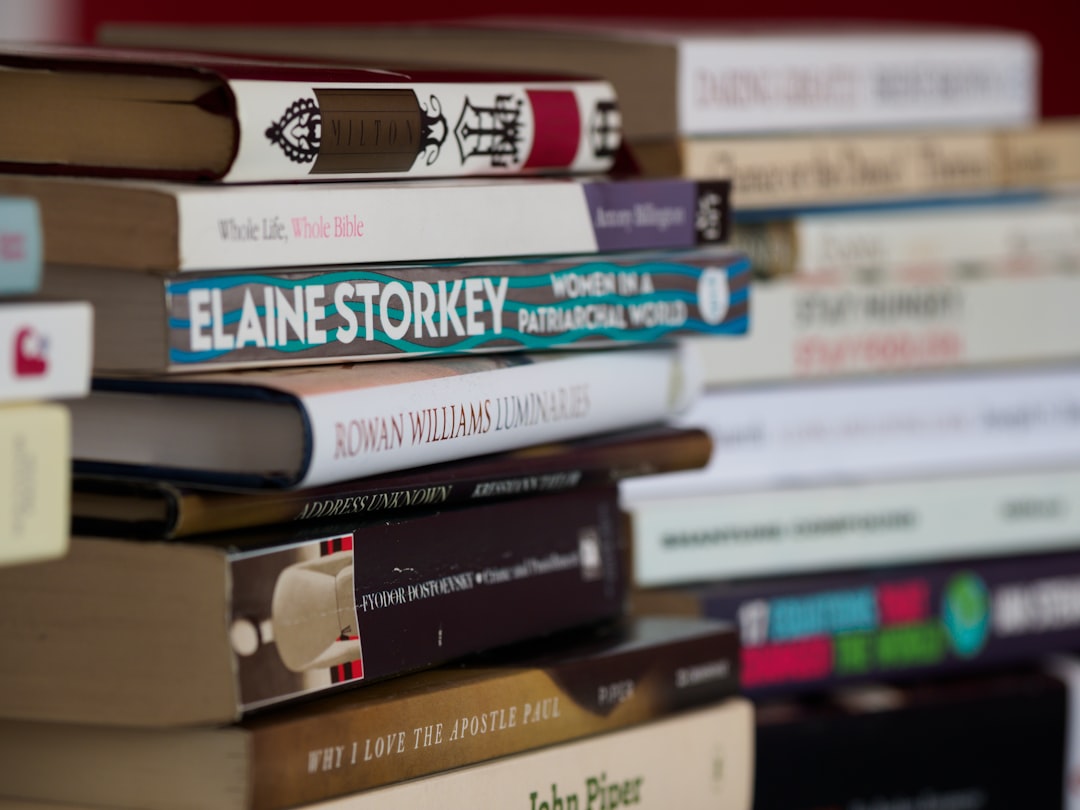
(677, 540)
(229, 227)
(148, 507)
(803, 634)
(20, 246)
(35, 482)
(50, 346)
(806, 330)
(1004, 734)
(215, 320)
(898, 426)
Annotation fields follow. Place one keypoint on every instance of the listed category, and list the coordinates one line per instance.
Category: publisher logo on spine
(965, 612)
(30, 355)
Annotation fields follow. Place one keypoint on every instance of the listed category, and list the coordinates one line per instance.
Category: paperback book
(192, 116)
(21, 256)
(48, 347)
(802, 634)
(148, 507)
(529, 697)
(305, 426)
(35, 481)
(172, 634)
(152, 225)
(182, 322)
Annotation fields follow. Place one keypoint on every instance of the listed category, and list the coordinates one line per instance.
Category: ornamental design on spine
(299, 131)
(491, 132)
(605, 129)
(434, 128)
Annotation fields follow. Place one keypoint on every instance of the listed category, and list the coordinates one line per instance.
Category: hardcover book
(149, 507)
(204, 321)
(35, 481)
(533, 696)
(305, 426)
(192, 116)
(152, 225)
(995, 742)
(21, 256)
(700, 77)
(48, 348)
(169, 634)
(802, 634)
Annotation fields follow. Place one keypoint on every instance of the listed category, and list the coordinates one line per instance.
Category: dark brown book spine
(397, 596)
(105, 505)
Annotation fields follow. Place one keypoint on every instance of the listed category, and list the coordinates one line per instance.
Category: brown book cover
(572, 686)
(149, 507)
(189, 633)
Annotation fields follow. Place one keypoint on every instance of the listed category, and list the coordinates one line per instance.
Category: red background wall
(1054, 23)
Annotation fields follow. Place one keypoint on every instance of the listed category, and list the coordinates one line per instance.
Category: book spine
(979, 721)
(1066, 666)
(21, 250)
(51, 346)
(677, 540)
(339, 223)
(904, 425)
(534, 471)
(809, 633)
(973, 237)
(427, 732)
(299, 131)
(697, 760)
(838, 329)
(424, 591)
(784, 84)
(842, 167)
(35, 482)
(220, 320)
(1043, 156)
(542, 399)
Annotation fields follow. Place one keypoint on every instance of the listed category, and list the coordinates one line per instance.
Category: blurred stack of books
(891, 500)
(372, 351)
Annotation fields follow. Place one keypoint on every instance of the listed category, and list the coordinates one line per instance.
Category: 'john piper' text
(456, 420)
(600, 794)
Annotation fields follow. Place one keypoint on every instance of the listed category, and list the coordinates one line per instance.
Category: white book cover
(679, 540)
(49, 345)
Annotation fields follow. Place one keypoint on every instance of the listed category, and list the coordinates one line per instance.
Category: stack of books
(46, 349)
(890, 510)
(309, 562)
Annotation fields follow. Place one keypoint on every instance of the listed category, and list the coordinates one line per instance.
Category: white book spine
(771, 84)
(412, 424)
(807, 330)
(459, 138)
(787, 531)
(345, 223)
(50, 348)
(818, 433)
(998, 235)
(699, 760)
